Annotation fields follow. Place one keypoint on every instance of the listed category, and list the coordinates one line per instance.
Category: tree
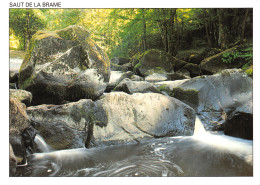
(24, 23)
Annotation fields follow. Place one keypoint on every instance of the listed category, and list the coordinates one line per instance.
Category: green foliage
(230, 57)
(18, 24)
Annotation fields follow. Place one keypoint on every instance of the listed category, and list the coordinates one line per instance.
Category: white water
(203, 154)
(41, 144)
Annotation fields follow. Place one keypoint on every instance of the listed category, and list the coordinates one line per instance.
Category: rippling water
(176, 156)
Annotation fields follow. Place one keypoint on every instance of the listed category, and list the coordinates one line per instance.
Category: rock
(116, 77)
(176, 76)
(64, 65)
(124, 117)
(131, 87)
(114, 80)
(120, 60)
(21, 95)
(193, 69)
(184, 72)
(156, 77)
(240, 122)
(12, 86)
(158, 60)
(134, 61)
(12, 162)
(115, 67)
(18, 123)
(13, 77)
(63, 126)
(208, 52)
(189, 96)
(128, 66)
(218, 95)
(136, 78)
(59, 135)
(127, 74)
(214, 64)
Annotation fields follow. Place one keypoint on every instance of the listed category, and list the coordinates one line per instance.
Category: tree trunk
(206, 23)
(242, 36)
(171, 47)
(162, 24)
(222, 39)
(144, 30)
(27, 30)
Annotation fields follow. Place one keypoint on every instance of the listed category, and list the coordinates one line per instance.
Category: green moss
(137, 65)
(189, 96)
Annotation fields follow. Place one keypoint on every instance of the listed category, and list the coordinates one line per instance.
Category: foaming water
(41, 144)
(200, 155)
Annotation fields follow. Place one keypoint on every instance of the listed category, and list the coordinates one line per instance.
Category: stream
(203, 154)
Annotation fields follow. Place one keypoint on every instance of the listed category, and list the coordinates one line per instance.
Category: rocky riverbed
(142, 114)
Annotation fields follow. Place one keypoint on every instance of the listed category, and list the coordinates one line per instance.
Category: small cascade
(41, 144)
(199, 128)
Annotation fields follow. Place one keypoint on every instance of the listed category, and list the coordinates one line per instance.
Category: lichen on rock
(56, 61)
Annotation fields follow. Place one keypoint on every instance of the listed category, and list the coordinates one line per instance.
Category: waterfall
(199, 128)
(41, 144)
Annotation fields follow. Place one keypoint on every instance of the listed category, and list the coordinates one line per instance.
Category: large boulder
(154, 60)
(21, 95)
(63, 126)
(123, 117)
(64, 65)
(240, 122)
(130, 87)
(217, 95)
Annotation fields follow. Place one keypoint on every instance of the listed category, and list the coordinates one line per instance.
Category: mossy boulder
(64, 65)
(154, 58)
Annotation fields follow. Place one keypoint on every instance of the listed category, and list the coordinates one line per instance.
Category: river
(203, 154)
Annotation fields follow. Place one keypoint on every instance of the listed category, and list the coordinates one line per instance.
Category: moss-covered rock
(189, 96)
(153, 59)
(64, 65)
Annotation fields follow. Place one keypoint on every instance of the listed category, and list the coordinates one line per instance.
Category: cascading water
(203, 154)
(41, 144)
